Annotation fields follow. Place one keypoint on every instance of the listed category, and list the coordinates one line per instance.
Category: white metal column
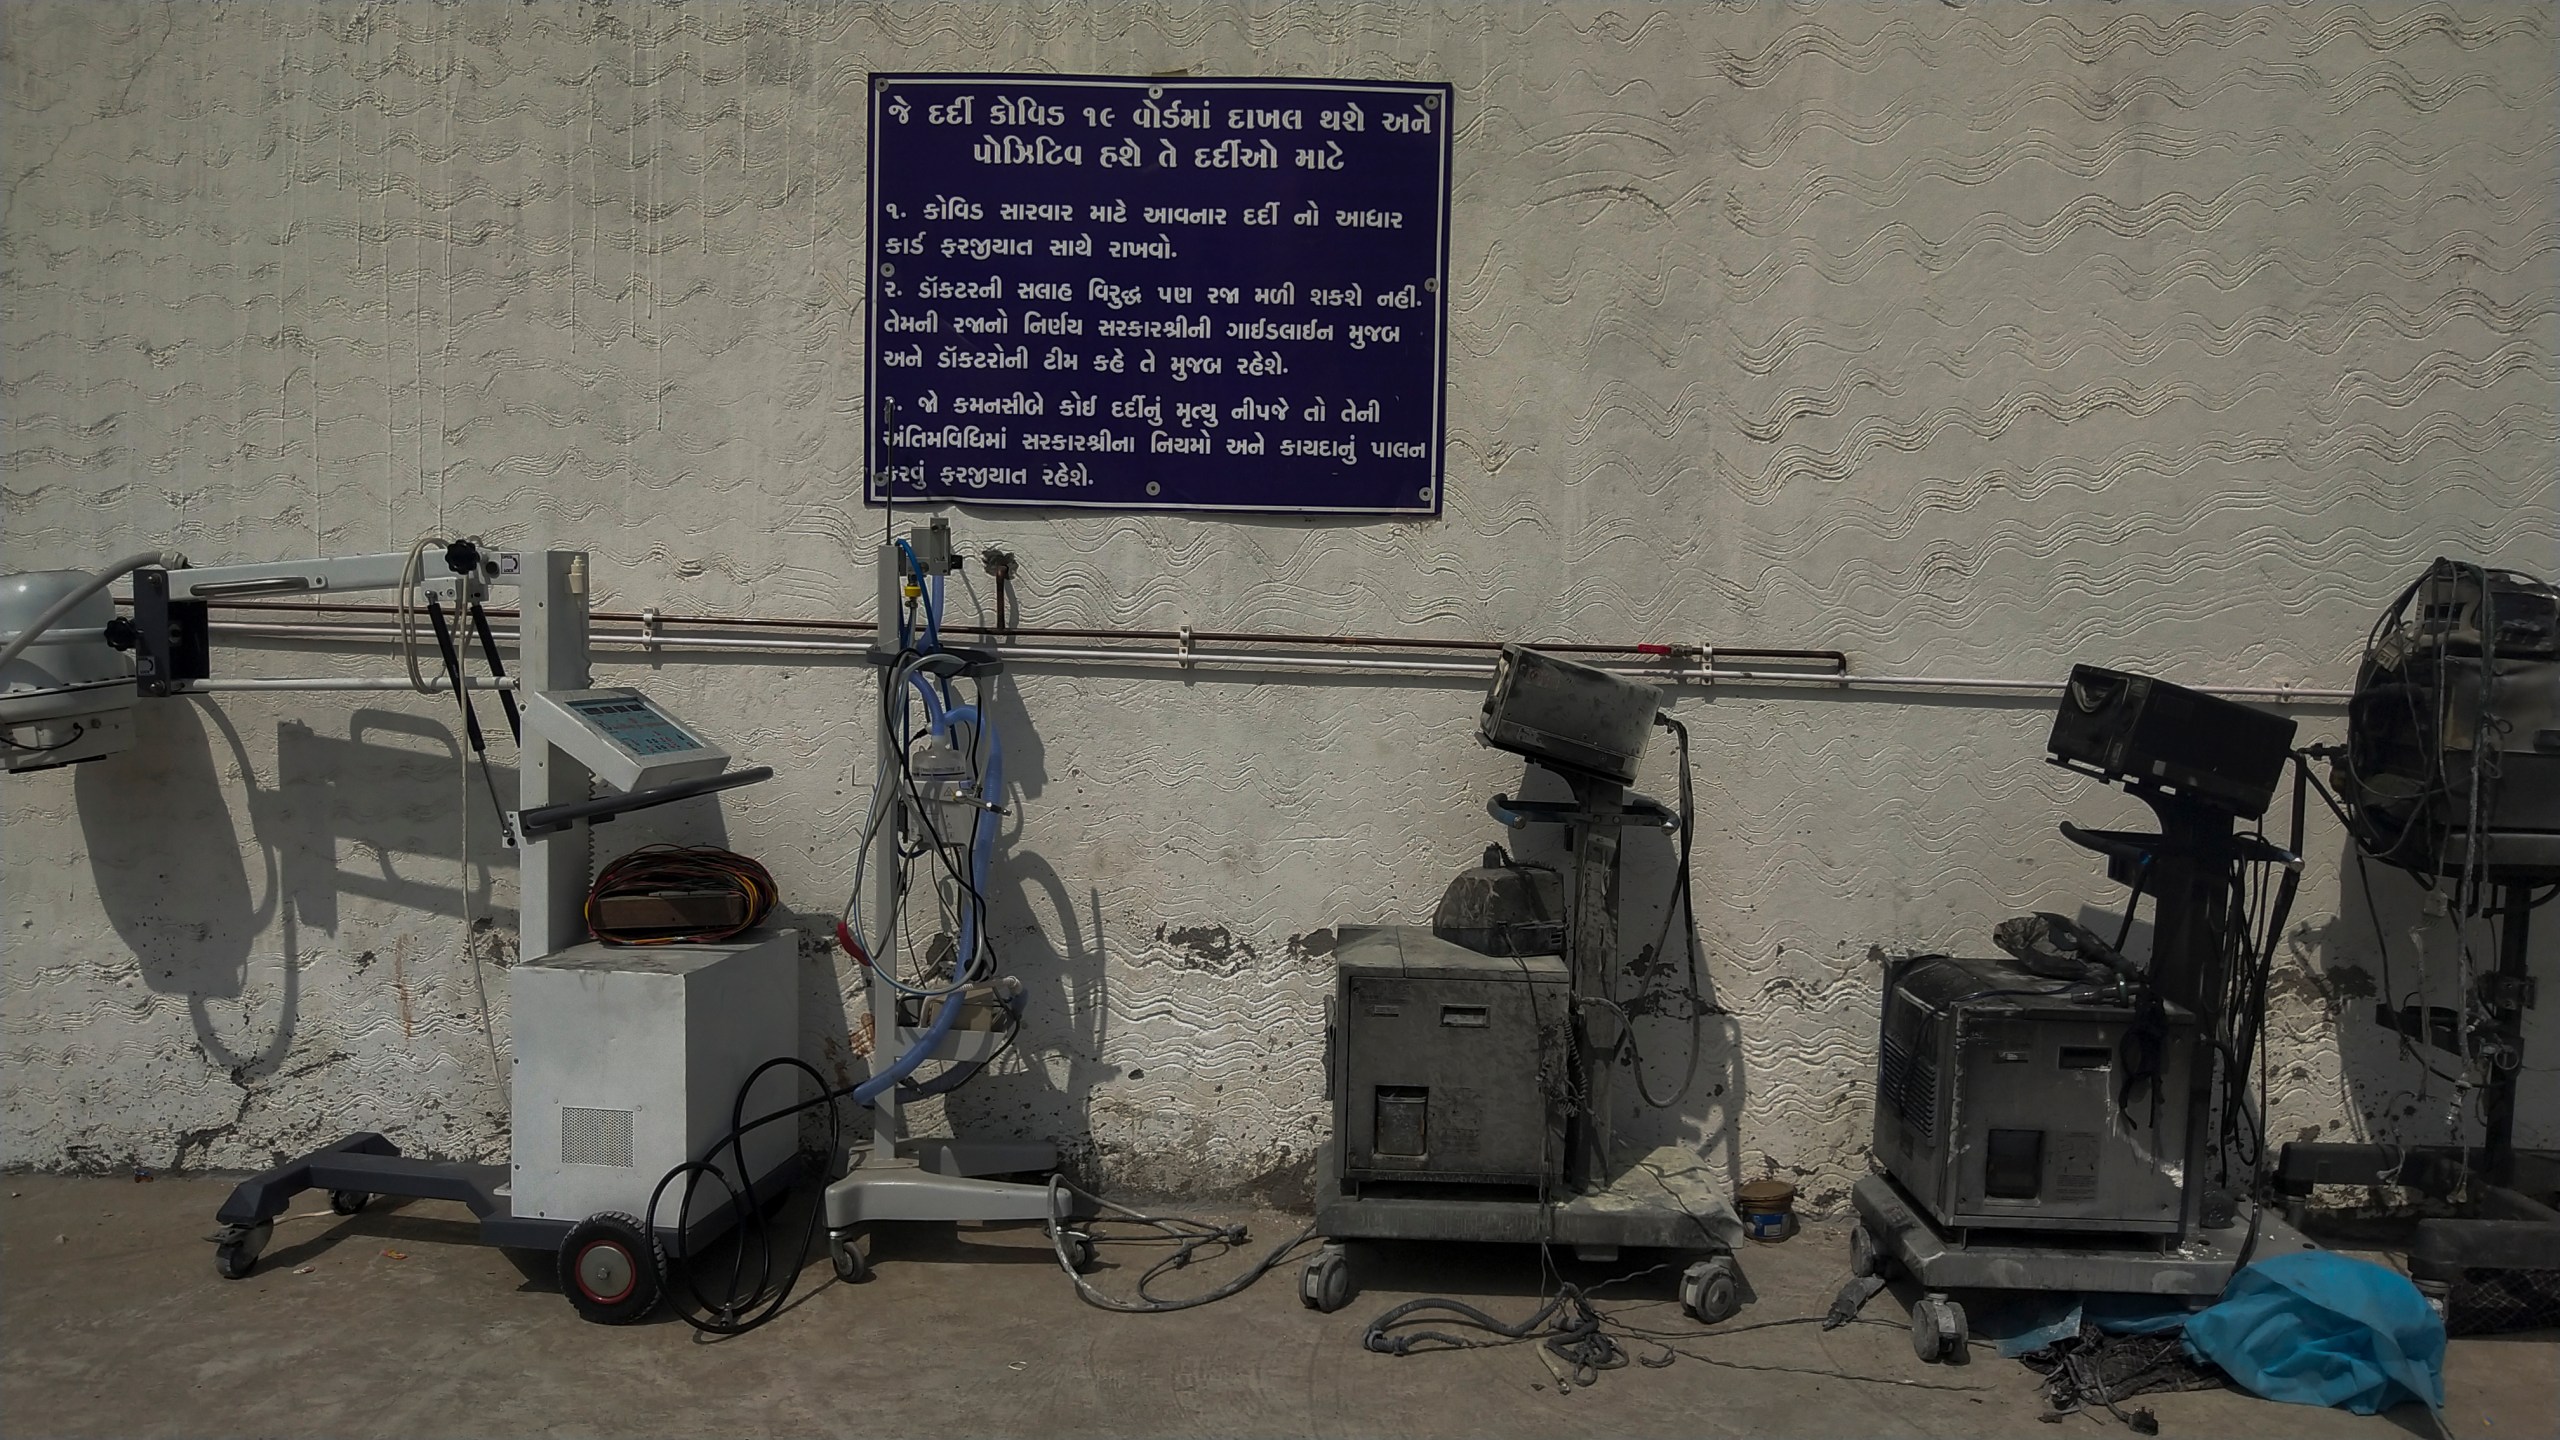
(553, 654)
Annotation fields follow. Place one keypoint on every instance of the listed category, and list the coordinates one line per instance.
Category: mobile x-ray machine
(628, 1059)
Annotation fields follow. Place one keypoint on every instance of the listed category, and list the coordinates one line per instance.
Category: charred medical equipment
(2451, 772)
(630, 1062)
(1998, 1099)
(2060, 1117)
(1472, 1063)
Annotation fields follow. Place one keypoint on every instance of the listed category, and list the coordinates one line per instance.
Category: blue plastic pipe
(982, 845)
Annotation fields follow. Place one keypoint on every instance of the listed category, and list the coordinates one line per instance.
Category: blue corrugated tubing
(982, 844)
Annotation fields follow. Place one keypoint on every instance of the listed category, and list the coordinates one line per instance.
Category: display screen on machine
(631, 722)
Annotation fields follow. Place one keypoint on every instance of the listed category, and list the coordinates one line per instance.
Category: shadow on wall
(171, 855)
(2386, 950)
(1055, 947)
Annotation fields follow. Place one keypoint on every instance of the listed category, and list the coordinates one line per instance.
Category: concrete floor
(113, 1323)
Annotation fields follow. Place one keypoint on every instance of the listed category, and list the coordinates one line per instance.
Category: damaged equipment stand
(1470, 1060)
(2084, 1193)
(898, 1178)
(2505, 1223)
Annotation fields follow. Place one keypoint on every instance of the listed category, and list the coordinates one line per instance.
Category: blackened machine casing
(1450, 1060)
(2001, 1104)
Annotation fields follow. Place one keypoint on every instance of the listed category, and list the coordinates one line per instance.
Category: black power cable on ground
(1190, 1238)
(743, 1309)
(1573, 1329)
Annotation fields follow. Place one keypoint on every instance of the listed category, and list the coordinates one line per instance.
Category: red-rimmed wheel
(610, 1267)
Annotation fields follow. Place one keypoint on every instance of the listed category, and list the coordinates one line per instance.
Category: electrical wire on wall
(1678, 907)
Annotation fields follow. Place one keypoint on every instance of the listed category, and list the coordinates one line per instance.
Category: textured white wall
(1968, 340)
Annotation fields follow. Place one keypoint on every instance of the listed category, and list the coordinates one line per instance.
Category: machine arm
(333, 573)
(551, 818)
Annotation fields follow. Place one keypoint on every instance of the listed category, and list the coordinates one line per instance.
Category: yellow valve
(913, 590)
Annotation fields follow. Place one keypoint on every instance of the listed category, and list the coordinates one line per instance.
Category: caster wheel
(348, 1202)
(611, 1269)
(1325, 1285)
(1867, 1255)
(1711, 1290)
(844, 1251)
(1938, 1330)
(1081, 1252)
(236, 1253)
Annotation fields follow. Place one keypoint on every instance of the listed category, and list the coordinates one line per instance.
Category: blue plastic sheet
(2319, 1328)
(2037, 1320)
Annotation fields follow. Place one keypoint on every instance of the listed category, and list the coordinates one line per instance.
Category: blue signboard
(1158, 294)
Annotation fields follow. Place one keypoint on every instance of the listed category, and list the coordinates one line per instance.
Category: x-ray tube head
(68, 696)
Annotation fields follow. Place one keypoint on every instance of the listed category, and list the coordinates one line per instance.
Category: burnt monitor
(1567, 715)
(2151, 734)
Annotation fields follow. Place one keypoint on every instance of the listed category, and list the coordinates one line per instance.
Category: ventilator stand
(897, 1177)
(2509, 1194)
(2187, 867)
(1664, 1199)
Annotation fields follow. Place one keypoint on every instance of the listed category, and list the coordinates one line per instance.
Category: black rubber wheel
(1938, 1330)
(1867, 1255)
(611, 1269)
(237, 1252)
(844, 1252)
(1711, 1292)
(1952, 1329)
(1081, 1252)
(348, 1202)
(1325, 1285)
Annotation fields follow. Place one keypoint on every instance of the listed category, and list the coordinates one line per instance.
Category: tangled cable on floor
(1568, 1323)
(1190, 1238)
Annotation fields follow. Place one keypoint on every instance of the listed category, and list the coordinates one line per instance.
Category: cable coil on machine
(678, 895)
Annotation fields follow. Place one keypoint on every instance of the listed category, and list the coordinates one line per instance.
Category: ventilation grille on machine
(595, 1137)
(1910, 1085)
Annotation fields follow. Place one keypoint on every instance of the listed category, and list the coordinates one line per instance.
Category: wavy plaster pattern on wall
(1968, 340)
